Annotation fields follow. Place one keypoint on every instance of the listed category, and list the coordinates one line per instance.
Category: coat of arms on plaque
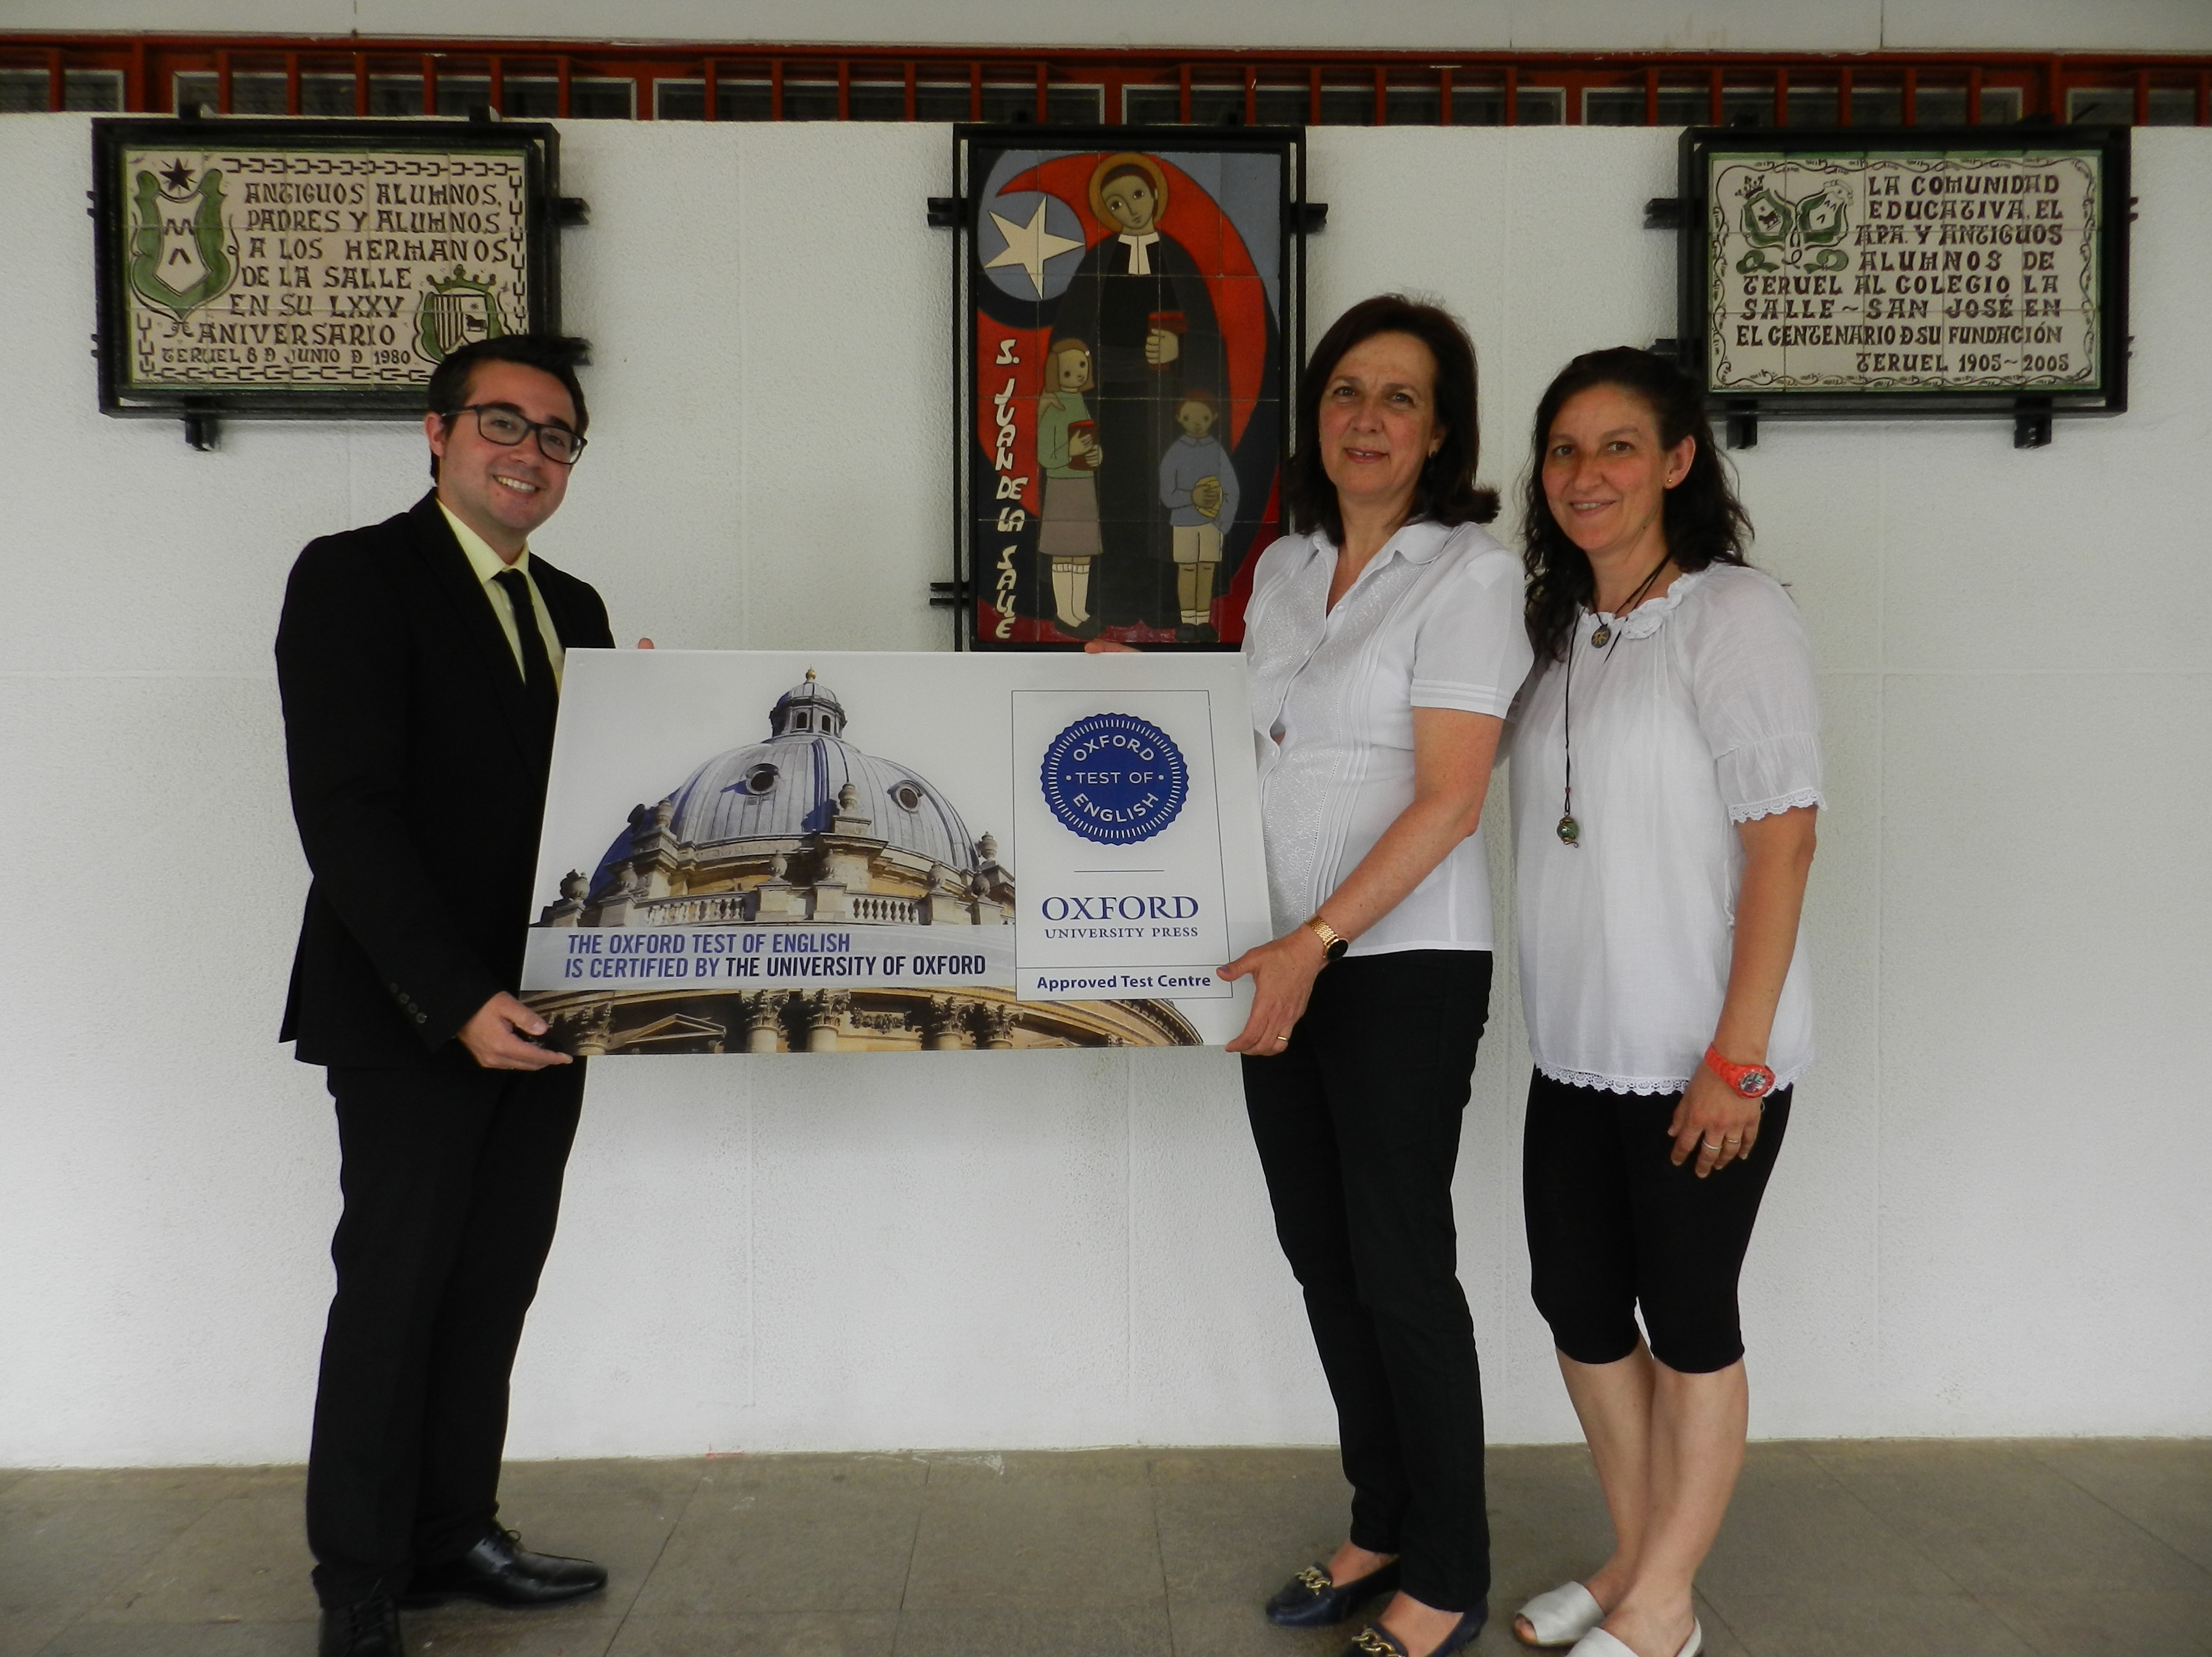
(183, 253)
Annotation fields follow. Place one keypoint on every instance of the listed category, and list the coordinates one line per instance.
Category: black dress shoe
(499, 1573)
(1310, 1600)
(367, 1628)
(1376, 1641)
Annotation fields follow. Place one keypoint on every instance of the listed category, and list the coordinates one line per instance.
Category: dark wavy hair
(1446, 491)
(1703, 520)
(558, 355)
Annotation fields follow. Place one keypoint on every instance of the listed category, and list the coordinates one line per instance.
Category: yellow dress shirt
(488, 564)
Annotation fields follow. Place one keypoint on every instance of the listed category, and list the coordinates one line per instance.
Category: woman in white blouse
(1666, 771)
(1385, 645)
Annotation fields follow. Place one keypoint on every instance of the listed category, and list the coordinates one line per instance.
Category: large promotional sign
(750, 852)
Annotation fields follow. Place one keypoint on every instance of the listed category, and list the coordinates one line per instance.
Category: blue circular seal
(1115, 778)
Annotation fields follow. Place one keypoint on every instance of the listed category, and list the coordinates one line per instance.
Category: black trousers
(1614, 1225)
(1357, 1126)
(452, 1180)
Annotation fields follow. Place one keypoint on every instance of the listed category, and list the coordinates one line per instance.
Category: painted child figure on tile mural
(1198, 486)
(1068, 456)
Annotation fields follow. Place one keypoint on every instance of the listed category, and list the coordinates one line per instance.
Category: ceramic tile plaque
(1923, 268)
(265, 267)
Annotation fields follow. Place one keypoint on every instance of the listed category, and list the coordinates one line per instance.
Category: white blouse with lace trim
(1703, 715)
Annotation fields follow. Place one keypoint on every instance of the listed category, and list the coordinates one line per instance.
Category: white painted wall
(1310, 25)
(1989, 1217)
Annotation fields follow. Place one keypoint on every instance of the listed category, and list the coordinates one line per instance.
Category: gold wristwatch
(1333, 942)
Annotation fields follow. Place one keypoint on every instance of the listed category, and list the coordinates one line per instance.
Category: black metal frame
(2032, 408)
(538, 143)
(958, 213)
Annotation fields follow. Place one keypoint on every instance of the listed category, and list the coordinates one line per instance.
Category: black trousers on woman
(1357, 1122)
(1616, 1226)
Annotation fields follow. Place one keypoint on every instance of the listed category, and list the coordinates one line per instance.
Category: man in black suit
(419, 661)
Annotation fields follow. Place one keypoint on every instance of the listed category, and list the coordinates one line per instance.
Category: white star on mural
(1029, 245)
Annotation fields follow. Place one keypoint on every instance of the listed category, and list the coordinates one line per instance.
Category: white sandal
(1598, 1643)
(1561, 1617)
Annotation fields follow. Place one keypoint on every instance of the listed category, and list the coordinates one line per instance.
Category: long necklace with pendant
(1604, 638)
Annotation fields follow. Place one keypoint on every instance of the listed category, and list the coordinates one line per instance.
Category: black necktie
(536, 665)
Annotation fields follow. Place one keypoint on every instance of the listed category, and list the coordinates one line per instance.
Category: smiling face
(1378, 419)
(1072, 368)
(501, 493)
(1606, 475)
(1130, 199)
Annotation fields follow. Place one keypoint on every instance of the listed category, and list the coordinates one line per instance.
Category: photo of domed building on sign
(804, 829)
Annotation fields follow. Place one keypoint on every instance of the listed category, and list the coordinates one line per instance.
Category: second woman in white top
(1385, 645)
(1666, 776)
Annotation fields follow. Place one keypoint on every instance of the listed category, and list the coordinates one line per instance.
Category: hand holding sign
(1282, 972)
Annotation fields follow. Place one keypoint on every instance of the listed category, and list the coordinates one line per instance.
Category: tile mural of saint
(1125, 316)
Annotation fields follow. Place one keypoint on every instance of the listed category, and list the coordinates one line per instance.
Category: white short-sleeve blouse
(1704, 715)
(1433, 621)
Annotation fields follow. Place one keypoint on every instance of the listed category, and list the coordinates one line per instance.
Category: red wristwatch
(1749, 1080)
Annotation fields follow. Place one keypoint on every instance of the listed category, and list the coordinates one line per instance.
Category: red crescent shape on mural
(1194, 219)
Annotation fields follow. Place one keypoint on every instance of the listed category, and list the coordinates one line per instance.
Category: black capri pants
(1614, 1225)
(1357, 1123)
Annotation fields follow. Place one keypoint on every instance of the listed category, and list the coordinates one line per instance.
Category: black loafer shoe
(1376, 1641)
(1310, 1600)
(367, 1628)
(499, 1573)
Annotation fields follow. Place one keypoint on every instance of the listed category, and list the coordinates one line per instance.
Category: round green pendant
(1570, 831)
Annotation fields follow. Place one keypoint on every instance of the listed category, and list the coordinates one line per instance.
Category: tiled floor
(2065, 1548)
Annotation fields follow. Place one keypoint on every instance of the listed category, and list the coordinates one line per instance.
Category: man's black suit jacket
(418, 781)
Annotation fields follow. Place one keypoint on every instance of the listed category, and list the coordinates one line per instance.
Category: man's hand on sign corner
(1282, 974)
(1106, 647)
(496, 1037)
(645, 644)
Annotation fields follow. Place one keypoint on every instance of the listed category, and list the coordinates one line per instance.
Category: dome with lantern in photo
(795, 784)
(805, 828)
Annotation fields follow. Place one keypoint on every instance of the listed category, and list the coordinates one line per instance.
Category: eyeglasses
(498, 423)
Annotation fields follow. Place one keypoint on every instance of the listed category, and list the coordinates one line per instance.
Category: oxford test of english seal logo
(1114, 779)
